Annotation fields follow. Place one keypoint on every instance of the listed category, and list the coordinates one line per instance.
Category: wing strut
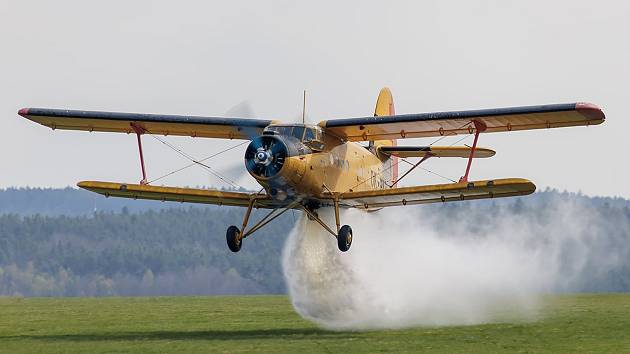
(272, 215)
(426, 157)
(479, 127)
(139, 131)
(315, 217)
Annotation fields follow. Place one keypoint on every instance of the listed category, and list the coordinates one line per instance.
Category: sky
(207, 57)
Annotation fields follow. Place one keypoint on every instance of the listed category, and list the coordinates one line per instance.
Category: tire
(344, 239)
(233, 238)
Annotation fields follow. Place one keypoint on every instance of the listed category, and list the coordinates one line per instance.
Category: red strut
(139, 131)
(479, 127)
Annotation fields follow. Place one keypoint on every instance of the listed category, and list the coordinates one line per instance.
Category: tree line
(168, 249)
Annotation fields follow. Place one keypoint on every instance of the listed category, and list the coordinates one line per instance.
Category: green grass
(583, 323)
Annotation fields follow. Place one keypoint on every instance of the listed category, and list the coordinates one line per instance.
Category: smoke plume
(406, 268)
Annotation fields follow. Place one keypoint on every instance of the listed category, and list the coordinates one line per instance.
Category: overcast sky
(204, 58)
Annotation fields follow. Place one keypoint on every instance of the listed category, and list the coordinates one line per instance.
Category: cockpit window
(309, 135)
(283, 130)
(298, 132)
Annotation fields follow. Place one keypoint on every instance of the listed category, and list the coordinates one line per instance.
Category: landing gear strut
(343, 234)
(234, 236)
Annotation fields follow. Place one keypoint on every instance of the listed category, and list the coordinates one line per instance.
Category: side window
(313, 138)
(298, 132)
(309, 135)
(286, 131)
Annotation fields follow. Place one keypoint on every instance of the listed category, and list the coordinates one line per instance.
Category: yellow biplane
(307, 167)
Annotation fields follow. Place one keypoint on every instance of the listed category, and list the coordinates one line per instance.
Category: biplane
(338, 163)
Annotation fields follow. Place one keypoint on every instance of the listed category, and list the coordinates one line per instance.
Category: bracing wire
(460, 140)
(447, 135)
(432, 172)
(422, 168)
(197, 162)
(194, 163)
(392, 165)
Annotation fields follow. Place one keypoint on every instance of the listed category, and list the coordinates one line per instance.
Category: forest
(67, 242)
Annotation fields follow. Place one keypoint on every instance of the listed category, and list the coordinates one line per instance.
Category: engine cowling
(265, 156)
(274, 162)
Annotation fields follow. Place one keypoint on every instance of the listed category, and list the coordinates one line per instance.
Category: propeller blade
(244, 110)
(241, 110)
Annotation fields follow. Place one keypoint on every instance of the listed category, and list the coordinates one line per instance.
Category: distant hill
(68, 242)
(72, 201)
(69, 201)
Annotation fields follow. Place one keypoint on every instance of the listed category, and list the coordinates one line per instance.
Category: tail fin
(385, 107)
(384, 103)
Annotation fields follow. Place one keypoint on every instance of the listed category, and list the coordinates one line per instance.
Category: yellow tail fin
(385, 107)
(384, 103)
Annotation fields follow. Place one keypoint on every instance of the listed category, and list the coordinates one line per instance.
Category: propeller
(265, 156)
(234, 169)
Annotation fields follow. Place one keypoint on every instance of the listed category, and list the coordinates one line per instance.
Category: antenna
(304, 109)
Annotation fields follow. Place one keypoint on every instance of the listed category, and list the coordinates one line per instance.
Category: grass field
(583, 323)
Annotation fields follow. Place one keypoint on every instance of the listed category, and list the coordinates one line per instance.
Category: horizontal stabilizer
(176, 194)
(434, 151)
(439, 193)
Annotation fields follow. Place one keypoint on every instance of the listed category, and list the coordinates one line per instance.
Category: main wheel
(344, 239)
(233, 237)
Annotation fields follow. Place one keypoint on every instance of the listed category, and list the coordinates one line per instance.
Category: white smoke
(406, 269)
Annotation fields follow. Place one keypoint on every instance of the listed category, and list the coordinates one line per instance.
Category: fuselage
(302, 161)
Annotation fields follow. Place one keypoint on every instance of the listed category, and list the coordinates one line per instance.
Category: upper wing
(207, 127)
(434, 151)
(461, 122)
(174, 194)
(437, 193)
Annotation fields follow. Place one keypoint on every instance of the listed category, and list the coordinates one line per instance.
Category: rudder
(385, 107)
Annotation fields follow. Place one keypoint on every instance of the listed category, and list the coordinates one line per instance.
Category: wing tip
(90, 185)
(87, 185)
(528, 186)
(532, 188)
(591, 111)
(24, 112)
(488, 152)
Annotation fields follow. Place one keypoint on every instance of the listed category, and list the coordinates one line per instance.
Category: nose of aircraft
(265, 156)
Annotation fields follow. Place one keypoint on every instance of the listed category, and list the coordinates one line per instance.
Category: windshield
(310, 135)
(296, 131)
(286, 131)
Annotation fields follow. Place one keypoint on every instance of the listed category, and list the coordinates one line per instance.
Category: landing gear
(234, 236)
(344, 238)
(234, 239)
(312, 218)
(343, 234)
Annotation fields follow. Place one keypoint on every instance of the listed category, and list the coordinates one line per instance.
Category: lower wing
(439, 193)
(183, 195)
(363, 200)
